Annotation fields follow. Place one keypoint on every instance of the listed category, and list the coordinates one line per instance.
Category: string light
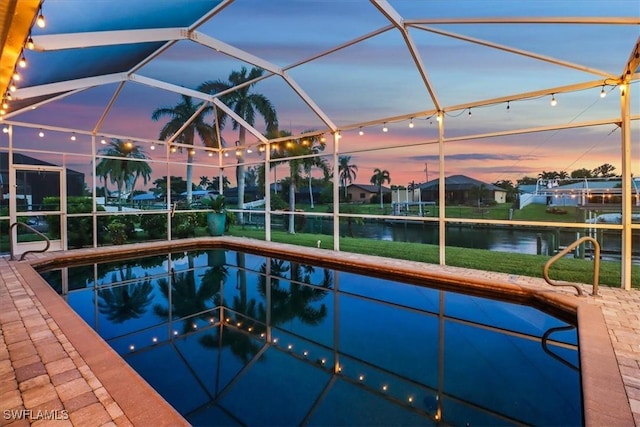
(173, 149)
(360, 132)
(40, 21)
(469, 110)
(5, 129)
(5, 104)
(385, 128)
(322, 138)
(16, 76)
(30, 44)
(553, 100)
(103, 141)
(411, 123)
(508, 105)
(602, 92)
(41, 133)
(73, 137)
(22, 62)
(154, 339)
(210, 153)
(12, 87)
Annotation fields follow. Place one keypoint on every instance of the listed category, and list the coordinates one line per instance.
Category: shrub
(79, 229)
(117, 232)
(184, 224)
(155, 225)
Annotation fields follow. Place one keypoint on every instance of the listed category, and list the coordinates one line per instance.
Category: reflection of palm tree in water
(295, 302)
(124, 302)
(243, 311)
(242, 345)
(187, 298)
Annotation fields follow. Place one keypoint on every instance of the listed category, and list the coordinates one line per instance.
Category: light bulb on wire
(553, 100)
(30, 44)
(602, 92)
(385, 128)
(22, 62)
(40, 21)
(411, 123)
(41, 133)
(360, 132)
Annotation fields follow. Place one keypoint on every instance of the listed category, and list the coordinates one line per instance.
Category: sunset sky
(372, 81)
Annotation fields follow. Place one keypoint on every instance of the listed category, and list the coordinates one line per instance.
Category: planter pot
(216, 222)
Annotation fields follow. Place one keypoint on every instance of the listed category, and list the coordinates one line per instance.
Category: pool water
(232, 338)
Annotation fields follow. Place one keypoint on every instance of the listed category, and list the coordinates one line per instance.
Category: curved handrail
(596, 264)
(15, 224)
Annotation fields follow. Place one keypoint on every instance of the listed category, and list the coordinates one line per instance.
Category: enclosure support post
(441, 190)
(625, 264)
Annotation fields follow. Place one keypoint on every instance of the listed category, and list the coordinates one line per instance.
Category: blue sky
(374, 79)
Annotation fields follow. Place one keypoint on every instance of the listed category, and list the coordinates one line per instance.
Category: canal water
(523, 240)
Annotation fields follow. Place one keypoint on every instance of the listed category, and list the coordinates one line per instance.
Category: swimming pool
(322, 346)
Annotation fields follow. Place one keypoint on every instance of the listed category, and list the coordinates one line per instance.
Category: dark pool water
(233, 338)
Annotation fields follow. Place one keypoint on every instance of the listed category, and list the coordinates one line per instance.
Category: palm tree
(178, 115)
(245, 105)
(306, 146)
(347, 172)
(124, 302)
(215, 183)
(204, 182)
(119, 167)
(379, 178)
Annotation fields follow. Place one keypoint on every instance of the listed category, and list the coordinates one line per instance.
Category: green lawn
(566, 269)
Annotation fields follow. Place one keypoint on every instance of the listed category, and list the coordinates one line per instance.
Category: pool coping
(604, 397)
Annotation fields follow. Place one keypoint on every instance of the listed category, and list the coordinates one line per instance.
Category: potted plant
(217, 217)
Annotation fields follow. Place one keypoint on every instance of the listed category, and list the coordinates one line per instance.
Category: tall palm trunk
(189, 177)
(311, 192)
(380, 190)
(292, 206)
(240, 175)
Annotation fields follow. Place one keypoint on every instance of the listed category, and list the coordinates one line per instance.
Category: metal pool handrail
(15, 224)
(596, 264)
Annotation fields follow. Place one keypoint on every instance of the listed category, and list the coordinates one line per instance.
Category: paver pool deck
(54, 373)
